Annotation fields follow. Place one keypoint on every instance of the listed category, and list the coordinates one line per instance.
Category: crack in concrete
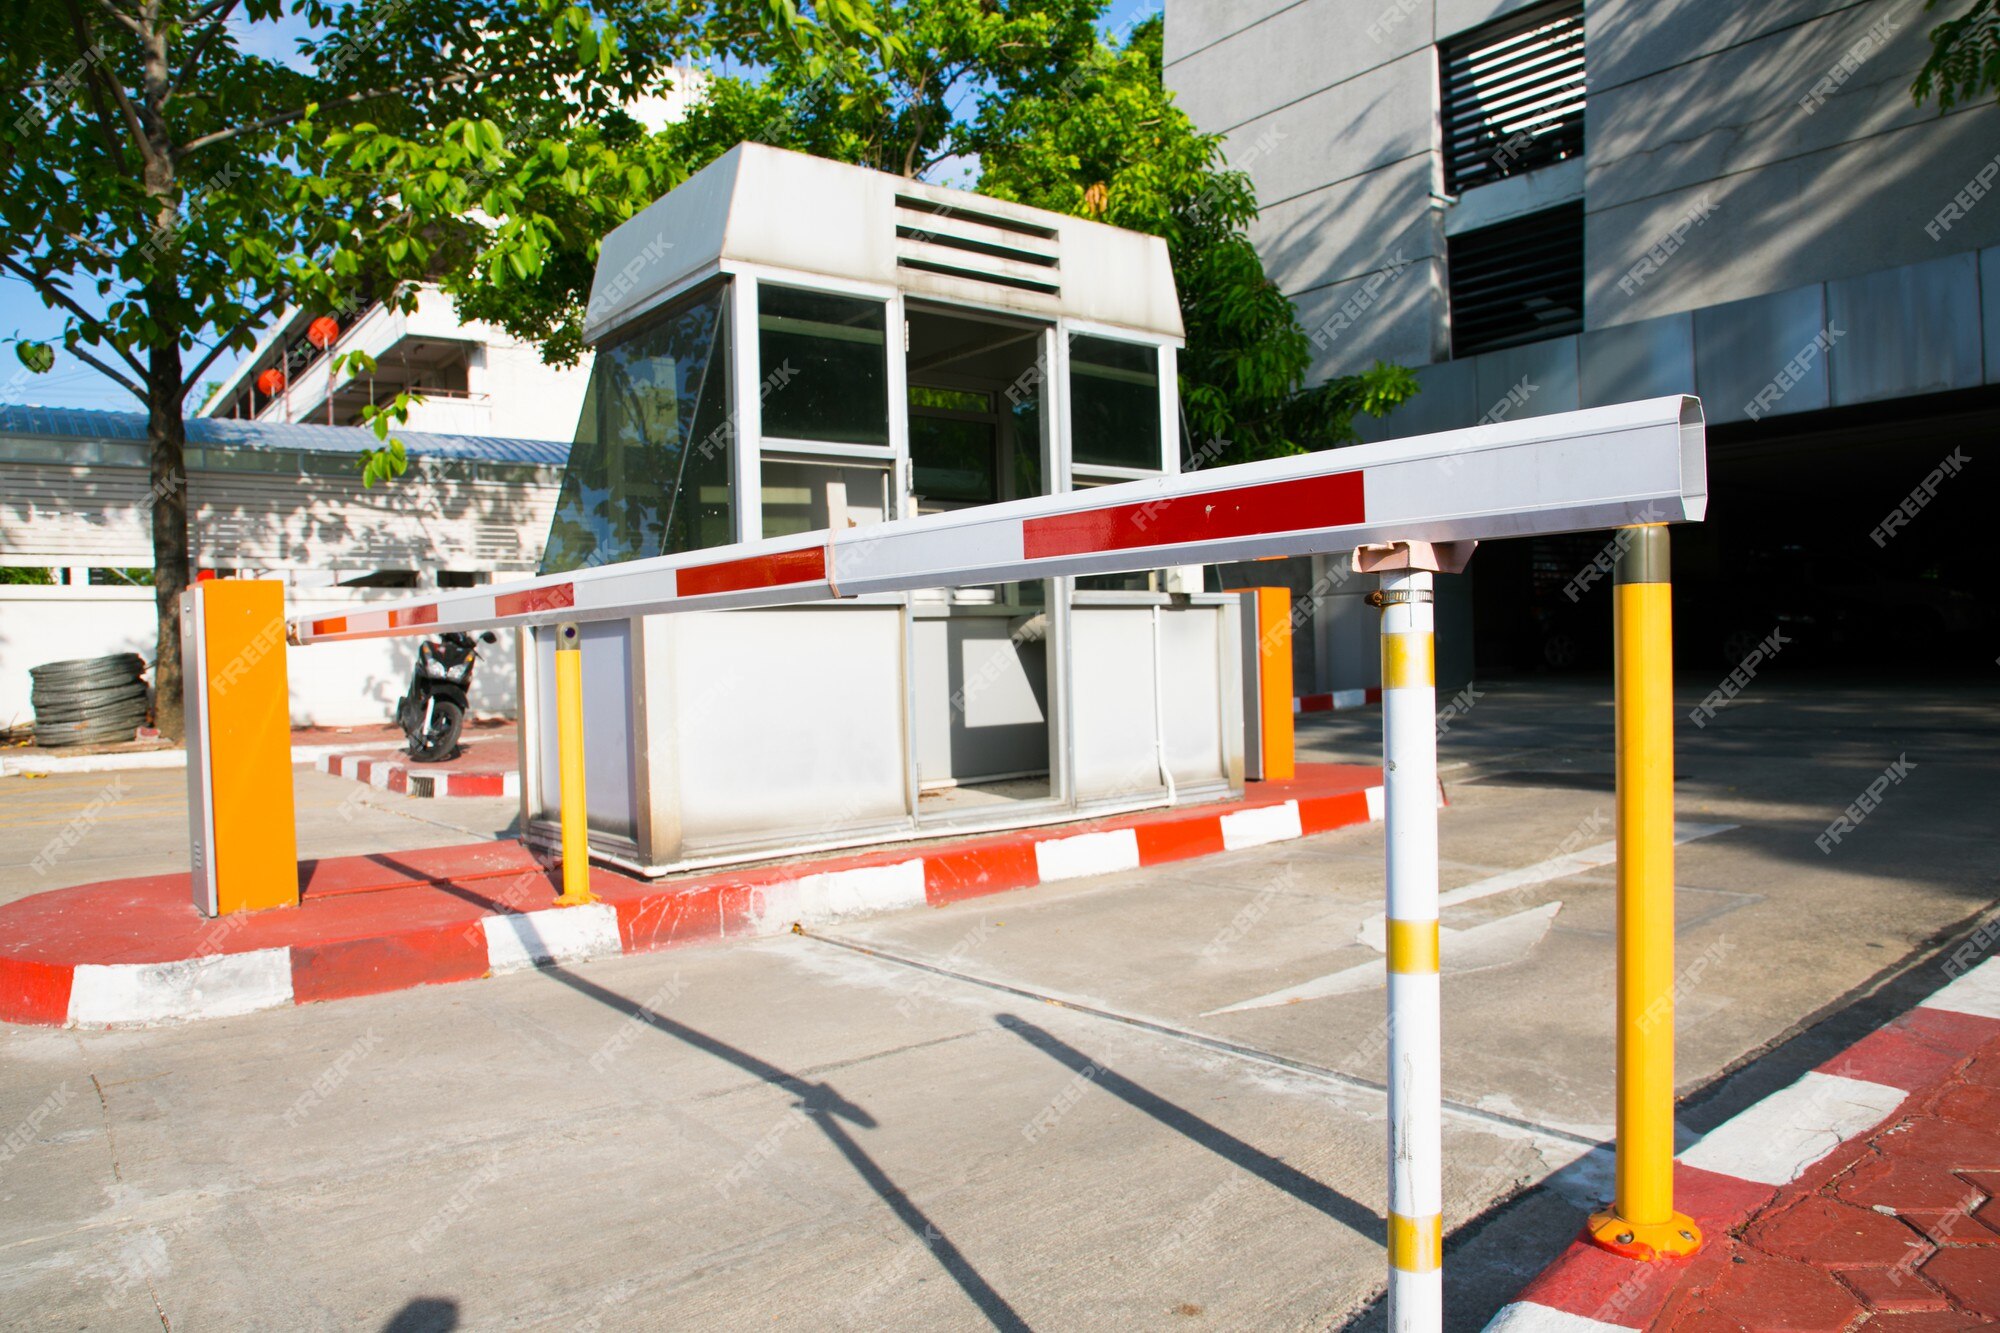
(117, 1172)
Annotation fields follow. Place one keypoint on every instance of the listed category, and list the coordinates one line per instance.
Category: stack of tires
(89, 701)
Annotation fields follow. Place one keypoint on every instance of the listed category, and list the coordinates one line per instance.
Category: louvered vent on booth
(976, 245)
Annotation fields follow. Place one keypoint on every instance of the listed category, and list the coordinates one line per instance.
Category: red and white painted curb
(1740, 1165)
(637, 917)
(1338, 701)
(392, 776)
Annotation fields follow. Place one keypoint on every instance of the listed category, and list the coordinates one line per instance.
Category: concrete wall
(314, 514)
(336, 684)
(1785, 130)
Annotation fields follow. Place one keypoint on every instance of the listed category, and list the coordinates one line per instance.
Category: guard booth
(785, 345)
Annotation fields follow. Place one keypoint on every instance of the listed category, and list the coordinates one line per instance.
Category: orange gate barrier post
(242, 831)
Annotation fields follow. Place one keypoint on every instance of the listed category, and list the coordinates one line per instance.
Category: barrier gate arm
(1602, 467)
(1633, 466)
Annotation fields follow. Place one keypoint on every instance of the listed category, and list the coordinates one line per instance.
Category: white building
(266, 499)
(474, 378)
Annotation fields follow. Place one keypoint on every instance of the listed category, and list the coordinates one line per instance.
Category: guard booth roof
(768, 207)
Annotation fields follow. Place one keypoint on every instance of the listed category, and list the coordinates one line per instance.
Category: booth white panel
(1111, 672)
(609, 775)
(1193, 685)
(789, 723)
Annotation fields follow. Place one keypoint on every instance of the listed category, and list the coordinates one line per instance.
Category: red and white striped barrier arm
(1603, 467)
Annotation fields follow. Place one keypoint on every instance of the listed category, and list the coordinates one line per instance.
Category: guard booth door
(985, 660)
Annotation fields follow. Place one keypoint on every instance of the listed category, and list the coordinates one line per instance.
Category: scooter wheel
(441, 741)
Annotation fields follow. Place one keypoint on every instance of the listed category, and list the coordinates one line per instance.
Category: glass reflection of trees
(649, 473)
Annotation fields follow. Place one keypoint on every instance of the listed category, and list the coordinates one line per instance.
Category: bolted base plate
(1654, 1240)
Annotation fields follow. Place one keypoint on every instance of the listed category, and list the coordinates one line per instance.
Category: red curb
(1920, 1046)
(1597, 1284)
(384, 963)
(1322, 813)
(38, 992)
(429, 865)
(955, 874)
(1328, 703)
(486, 767)
(1163, 843)
(392, 920)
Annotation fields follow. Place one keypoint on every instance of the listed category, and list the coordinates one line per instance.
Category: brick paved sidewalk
(1863, 1196)
(1897, 1229)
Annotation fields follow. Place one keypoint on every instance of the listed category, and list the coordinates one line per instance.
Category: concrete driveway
(1147, 1100)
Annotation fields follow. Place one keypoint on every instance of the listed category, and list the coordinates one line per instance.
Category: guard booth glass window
(1114, 390)
(649, 471)
(816, 495)
(824, 361)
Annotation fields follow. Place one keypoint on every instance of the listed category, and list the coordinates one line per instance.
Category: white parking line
(1489, 944)
(1373, 934)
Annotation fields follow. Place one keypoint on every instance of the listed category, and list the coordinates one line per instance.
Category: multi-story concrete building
(1545, 206)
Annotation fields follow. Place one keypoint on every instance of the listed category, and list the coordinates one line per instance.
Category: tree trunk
(166, 428)
(166, 433)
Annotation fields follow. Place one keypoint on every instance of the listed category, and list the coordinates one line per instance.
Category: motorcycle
(434, 709)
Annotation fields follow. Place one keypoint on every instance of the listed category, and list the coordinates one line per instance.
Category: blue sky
(73, 384)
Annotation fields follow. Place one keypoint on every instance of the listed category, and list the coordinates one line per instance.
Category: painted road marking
(1372, 931)
(1490, 944)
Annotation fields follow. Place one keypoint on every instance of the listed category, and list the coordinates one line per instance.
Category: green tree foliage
(168, 191)
(1109, 143)
(1053, 116)
(1964, 64)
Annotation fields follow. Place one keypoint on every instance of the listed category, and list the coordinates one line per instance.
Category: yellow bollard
(569, 754)
(1642, 1223)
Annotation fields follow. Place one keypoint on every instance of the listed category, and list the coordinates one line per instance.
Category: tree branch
(217, 16)
(248, 322)
(109, 373)
(87, 48)
(130, 21)
(133, 121)
(297, 113)
(55, 295)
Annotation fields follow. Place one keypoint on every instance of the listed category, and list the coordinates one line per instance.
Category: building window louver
(1518, 281)
(1513, 95)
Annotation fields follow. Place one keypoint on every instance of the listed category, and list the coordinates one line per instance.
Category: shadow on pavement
(1217, 1140)
(826, 1108)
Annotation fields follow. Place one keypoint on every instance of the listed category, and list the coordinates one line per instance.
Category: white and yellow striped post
(1409, 780)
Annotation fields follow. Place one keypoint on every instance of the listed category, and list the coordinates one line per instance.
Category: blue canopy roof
(78, 423)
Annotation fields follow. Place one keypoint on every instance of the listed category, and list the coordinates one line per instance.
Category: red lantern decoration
(322, 331)
(271, 381)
